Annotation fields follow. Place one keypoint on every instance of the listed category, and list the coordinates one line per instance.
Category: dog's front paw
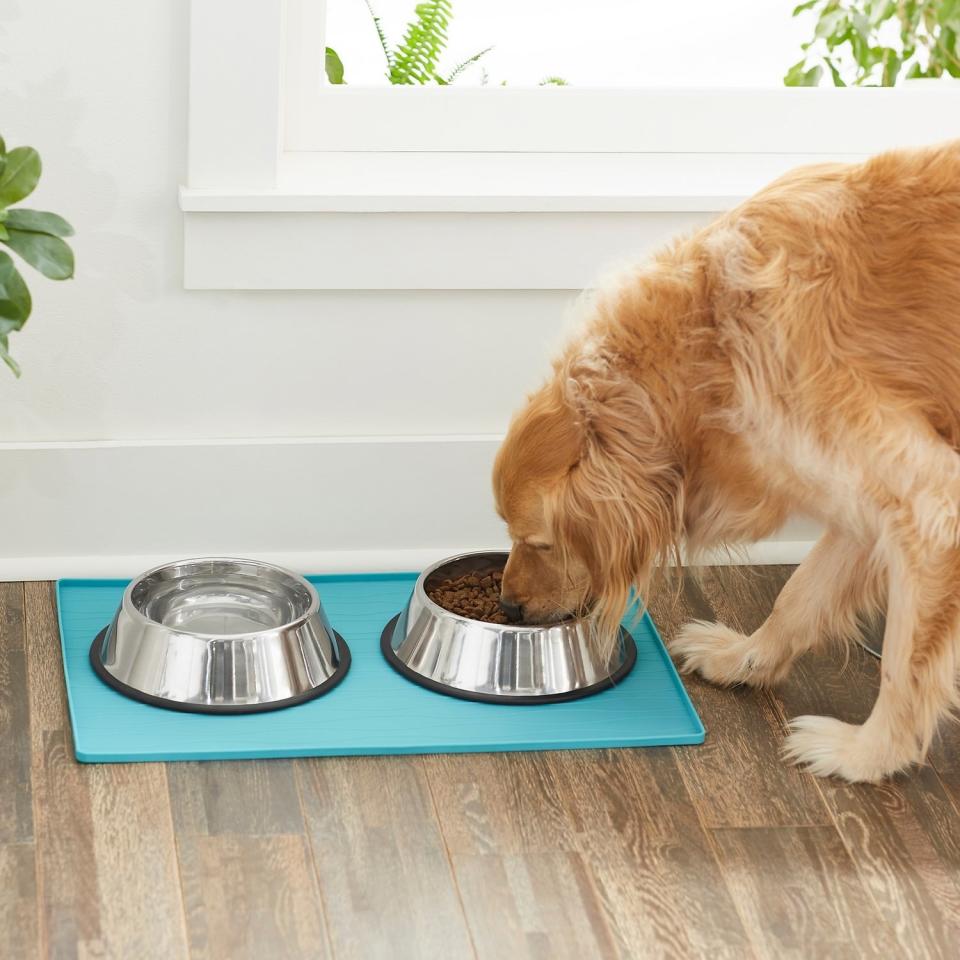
(721, 655)
(827, 747)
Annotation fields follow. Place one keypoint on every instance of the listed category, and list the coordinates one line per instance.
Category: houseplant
(878, 42)
(416, 58)
(34, 235)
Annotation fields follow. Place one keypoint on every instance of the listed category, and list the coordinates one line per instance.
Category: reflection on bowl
(509, 663)
(220, 635)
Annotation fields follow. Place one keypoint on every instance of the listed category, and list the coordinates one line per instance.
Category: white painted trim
(571, 119)
(417, 251)
(307, 562)
(342, 561)
(234, 129)
(316, 504)
(507, 183)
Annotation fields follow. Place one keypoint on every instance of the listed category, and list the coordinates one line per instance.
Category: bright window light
(601, 43)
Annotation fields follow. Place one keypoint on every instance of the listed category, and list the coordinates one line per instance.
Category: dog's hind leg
(837, 582)
(921, 646)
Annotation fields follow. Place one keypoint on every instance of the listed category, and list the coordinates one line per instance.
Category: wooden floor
(715, 851)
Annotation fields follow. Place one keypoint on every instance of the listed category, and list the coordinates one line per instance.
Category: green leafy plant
(35, 236)
(848, 41)
(416, 59)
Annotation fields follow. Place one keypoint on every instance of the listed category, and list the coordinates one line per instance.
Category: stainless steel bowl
(220, 635)
(518, 664)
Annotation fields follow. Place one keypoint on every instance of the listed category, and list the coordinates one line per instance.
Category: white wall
(123, 353)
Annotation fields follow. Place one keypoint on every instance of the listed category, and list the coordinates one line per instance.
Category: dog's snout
(514, 611)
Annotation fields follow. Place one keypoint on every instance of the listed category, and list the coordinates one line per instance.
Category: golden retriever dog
(799, 355)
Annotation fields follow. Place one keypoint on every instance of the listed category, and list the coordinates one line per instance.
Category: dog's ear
(621, 506)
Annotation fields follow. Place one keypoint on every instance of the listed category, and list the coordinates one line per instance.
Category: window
(489, 186)
(601, 43)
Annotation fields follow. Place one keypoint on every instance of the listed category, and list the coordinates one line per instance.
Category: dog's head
(590, 486)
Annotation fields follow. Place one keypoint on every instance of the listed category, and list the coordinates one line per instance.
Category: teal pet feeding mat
(374, 710)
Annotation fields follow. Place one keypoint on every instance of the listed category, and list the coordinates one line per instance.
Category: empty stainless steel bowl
(220, 635)
(517, 664)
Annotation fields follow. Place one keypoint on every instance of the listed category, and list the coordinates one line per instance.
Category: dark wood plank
(66, 861)
(252, 798)
(800, 895)
(138, 880)
(251, 897)
(904, 834)
(16, 798)
(736, 778)
(618, 835)
(107, 874)
(536, 905)
(945, 758)
(380, 859)
(19, 931)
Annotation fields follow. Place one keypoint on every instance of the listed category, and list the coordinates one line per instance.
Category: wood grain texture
(19, 930)
(66, 862)
(16, 797)
(138, 882)
(737, 779)
(800, 894)
(903, 835)
(717, 851)
(258, 798)
(617, 831)
(380, 859)
(107, 872)
(251, 897)
(248, 883)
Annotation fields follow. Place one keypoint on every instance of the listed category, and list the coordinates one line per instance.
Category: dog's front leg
(835, 583)
(918, 669)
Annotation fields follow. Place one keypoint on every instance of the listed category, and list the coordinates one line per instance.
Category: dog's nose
(514, 611)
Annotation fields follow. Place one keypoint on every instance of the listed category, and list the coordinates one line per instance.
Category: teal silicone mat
(374, 710)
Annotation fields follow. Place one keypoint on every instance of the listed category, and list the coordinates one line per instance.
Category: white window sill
(459, 220)
(505, 183)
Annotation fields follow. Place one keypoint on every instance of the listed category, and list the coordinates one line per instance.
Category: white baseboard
(107, 508)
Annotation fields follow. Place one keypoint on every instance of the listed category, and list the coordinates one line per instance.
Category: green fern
(460, 67)
(387, 52)
(415, 59)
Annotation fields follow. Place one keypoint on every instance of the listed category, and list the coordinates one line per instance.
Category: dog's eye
(542, 546)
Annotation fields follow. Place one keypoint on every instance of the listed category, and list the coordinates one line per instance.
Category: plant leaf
(50, 255)
(804, 6)
(460, 67)
(384, 44)
(797, 76)
(834, 72)
(20, 175)
(415, 59)
(38, 221)
(334, 67)
(5, 355)
(15, 303)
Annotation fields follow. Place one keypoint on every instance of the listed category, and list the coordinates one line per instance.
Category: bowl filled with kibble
(455, 638)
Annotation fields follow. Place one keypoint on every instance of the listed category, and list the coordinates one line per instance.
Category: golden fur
(800, 354)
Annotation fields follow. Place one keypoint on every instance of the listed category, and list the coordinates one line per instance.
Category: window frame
(268, 141)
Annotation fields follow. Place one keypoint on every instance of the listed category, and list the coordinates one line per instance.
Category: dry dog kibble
(473, 595)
